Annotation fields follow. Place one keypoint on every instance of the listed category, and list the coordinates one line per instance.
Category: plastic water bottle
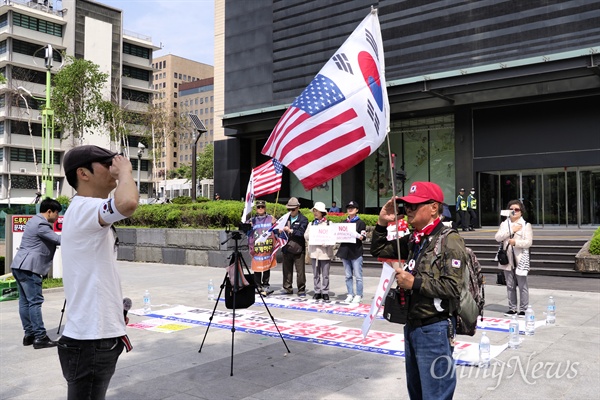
(484, 351)
(529, 322)
(211, 290)
(513, 333)
(147, 305)
(551, 311)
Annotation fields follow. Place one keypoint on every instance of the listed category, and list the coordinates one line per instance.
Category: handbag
(501, 255)
(244, 296)
(395, 307)
(293, 247)
(524, 264)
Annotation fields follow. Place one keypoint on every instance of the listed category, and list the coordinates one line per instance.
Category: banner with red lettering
(383, 287)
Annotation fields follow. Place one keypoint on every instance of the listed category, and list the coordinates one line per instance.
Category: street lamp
(141, 148)
(200, 129)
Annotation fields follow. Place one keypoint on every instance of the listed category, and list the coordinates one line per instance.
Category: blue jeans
(30, 302)
(88, 365)
(429, 364)
(353, 268)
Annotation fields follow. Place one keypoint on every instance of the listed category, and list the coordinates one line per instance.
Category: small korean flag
(455, 263)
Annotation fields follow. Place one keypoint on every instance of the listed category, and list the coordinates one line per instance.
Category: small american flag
(267, 178)
(281, 240)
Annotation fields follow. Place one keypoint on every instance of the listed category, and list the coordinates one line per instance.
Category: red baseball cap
(421, 192)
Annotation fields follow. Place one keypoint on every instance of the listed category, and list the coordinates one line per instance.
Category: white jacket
(523, 240)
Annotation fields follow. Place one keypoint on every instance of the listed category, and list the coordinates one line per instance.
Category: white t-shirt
(91, 281)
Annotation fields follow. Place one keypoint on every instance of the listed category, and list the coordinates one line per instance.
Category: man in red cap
(432, 284)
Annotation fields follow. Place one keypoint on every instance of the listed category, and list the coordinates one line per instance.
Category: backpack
(472, 294)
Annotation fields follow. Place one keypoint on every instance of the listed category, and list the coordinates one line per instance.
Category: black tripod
(237, 260)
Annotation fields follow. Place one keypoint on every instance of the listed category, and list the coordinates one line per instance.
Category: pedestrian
(351, 255)
(334, 208)
(432, 285)
(32, 261)
(262, 262)
(320, 254)
(295, 249)
(461, 210)
(516, 236)
(94, 334)
(217, 197)
(472, 209)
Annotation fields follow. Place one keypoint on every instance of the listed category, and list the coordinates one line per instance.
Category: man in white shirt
(94, 334)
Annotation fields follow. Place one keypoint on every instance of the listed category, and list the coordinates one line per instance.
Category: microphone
(126, 306)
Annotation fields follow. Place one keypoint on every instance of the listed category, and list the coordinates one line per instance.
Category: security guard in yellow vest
(462, 210)
(472, 208)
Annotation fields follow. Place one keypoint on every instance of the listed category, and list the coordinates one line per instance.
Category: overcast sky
(185, 27)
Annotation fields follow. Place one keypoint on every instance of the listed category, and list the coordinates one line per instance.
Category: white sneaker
(357, 299)
(349, 299)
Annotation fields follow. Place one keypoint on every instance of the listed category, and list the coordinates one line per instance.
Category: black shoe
(521, 314)
(510, 313)
(465, 229)
(28, 340)
(471, 228)
(317, 296)
(325, 297)
(43, 343)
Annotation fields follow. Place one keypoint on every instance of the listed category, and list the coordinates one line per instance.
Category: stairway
(549, 256)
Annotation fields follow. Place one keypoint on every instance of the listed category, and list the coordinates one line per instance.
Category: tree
(77, 97)
(205, 163)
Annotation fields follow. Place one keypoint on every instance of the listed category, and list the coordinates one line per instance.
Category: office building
(83, 29)
(501, 96)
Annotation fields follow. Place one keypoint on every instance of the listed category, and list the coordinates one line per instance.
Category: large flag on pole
(341, 117)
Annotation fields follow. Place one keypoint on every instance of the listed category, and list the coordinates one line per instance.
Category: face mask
(472, 192)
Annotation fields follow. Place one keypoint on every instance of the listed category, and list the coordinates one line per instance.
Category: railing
(41, 5)
(137, 35)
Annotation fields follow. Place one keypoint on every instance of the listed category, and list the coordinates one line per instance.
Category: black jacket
(351, 251)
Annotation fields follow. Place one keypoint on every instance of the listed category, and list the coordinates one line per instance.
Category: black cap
(260, 203)
(83, 155)
(352, 204)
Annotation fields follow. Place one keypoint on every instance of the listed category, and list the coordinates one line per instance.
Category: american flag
(341, 117)
(280, 241)
(267, 178)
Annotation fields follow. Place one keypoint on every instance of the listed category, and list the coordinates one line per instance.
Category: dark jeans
(289, 262)
(473, 223)
(429, 364)
(88, 365)
(30, 302)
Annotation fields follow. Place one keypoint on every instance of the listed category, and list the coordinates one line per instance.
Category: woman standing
(351, 255)
(320, 255)
(516, 236)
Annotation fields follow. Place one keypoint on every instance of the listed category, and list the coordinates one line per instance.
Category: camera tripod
(237, 260)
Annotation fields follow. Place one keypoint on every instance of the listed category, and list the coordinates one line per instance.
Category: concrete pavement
(560, 362)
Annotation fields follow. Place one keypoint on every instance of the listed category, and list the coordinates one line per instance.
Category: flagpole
(392, 172)
(276, 201)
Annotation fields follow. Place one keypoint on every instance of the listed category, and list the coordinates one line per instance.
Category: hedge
(595, 245)
(211, 214)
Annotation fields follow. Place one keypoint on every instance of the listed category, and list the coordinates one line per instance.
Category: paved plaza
(560, 362)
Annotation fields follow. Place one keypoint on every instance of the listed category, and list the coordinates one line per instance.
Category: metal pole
(139, 168)
(47, 141)
(193, 192)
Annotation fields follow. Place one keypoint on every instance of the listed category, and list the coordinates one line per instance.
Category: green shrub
(596, 232)
(595, 245)
(209, 214)
(64, 200)
(182, 200)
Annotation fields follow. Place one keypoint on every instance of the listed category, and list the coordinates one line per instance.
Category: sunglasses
(260, 206)
(413, 207)
(516, 209)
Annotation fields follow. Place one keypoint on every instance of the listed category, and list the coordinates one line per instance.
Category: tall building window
(136, 73)
(3, 47)
(136, 50)
(3, 20)
(135, 95)
(36, 24)
(26, 155)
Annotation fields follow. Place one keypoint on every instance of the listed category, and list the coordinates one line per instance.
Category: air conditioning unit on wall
(22, 170)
